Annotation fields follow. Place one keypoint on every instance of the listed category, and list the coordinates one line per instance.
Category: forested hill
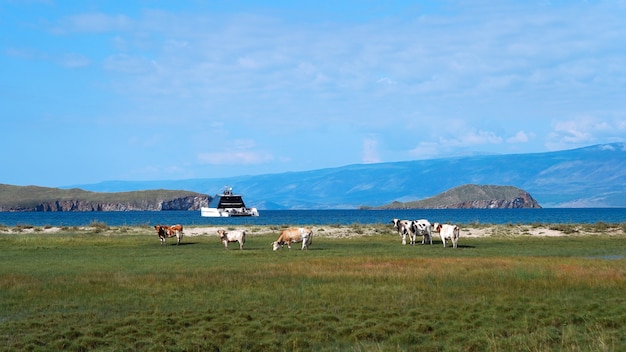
(472, 197)
(34, 198)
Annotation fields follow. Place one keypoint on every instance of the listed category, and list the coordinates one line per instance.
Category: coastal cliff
(33, 198)
(524, 201)
(182, 203)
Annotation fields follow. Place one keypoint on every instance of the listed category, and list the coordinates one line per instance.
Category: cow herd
(422, 227)
(405, 228)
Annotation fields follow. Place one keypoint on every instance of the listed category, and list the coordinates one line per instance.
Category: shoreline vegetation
(340, 231)
(535, 287)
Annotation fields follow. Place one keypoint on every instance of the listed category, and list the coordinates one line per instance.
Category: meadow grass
(85, 291)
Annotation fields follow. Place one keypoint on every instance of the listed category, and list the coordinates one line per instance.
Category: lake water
(321, 217)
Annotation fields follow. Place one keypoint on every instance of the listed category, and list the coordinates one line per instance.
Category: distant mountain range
(593, 176)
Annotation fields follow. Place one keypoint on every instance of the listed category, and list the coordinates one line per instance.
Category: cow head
(160, 230)
(275, 245)
(223, 235)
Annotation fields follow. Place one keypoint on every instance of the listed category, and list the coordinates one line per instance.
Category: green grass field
(80, 291)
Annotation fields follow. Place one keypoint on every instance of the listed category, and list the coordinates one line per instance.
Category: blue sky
(161, 90)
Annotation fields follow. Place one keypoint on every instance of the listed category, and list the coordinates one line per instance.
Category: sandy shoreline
(346, 231)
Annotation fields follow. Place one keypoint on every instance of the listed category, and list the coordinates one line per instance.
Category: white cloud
(74, 60)
(93, 23)
(239, 152)
(572, 131)
(471, 138)
(519, 137)
(428, 150)
(385, 81)
(129, 64)
(248, 63)
(459, 139)
(370, 151)
(584, 131)
(236, 157)
(23, 53)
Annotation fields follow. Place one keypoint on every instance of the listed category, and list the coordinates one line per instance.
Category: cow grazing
(294, 235)
(404, 228)
(422, 228)
(232, 236)
(448, 232)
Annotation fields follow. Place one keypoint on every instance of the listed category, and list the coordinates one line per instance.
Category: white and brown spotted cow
(448, 232)
(164, 231)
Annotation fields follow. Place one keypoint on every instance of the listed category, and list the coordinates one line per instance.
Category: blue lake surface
(321, 217)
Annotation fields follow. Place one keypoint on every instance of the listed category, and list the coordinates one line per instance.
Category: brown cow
(176, 230)
(294, 235)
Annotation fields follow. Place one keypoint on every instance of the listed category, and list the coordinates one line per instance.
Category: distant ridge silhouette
(593, 176)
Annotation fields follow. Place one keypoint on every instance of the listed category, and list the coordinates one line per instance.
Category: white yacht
(227, 204)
